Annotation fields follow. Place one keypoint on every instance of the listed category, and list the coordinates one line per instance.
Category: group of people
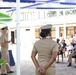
(70, 48)
(47, 51)
(62, 48)
(5, 68)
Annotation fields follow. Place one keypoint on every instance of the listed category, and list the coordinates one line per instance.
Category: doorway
(12, 37)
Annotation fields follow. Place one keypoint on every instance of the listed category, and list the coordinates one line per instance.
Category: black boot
(10, 72)
(69, 65)
(75, 65)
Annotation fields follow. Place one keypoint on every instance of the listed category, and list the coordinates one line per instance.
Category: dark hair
(58, 40)
(44, 32)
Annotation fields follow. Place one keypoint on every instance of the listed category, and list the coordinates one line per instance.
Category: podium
(12, 62)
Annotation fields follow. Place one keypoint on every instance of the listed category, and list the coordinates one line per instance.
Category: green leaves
(1, 23)
(2, 61)
(4, 18)
(2, 15)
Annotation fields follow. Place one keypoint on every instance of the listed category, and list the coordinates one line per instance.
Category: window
(53, 32)
(61, 13)
(45, 14)
(35, 15)
(42, 14)
(37, 32)
(22, 16)
(70, 12)
(70, 31)
(75, 30)
(29, 15)
(61, 30)
(27, 29)
(52, 13)
(25, 16)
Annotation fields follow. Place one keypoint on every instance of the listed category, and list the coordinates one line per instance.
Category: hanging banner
(29, 0)
(71, 1)
(67, 2)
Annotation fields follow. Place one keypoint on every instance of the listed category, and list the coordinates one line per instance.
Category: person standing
(59, 50)
(4, 51)
(72, 54)
(61, 38)
(75, 37)
(47, 50)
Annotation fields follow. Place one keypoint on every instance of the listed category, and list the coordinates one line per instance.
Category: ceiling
(38, 4)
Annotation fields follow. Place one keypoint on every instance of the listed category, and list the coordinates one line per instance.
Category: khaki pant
(49, 71)
(70, 57)
(5, 55)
